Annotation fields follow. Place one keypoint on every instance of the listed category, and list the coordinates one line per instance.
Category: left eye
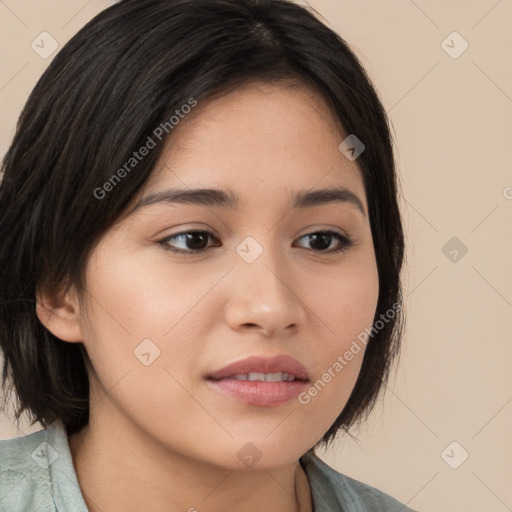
(322, 240)
(196, 241)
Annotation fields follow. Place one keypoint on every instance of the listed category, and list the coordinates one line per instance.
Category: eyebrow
(228, 199)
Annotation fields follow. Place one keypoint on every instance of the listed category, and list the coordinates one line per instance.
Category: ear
(59, 312)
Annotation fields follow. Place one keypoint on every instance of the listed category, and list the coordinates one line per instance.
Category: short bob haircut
(120, 77)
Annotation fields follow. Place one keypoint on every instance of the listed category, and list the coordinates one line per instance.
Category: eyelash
(345, 242)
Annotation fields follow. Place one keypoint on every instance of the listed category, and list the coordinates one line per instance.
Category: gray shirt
(37, 475)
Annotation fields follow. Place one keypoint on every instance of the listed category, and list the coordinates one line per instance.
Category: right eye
(195, 241)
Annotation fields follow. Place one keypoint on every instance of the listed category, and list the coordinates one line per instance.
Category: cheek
(345, 306)
(138, 333)
(146, 327)
(139, 296)
(346, 302)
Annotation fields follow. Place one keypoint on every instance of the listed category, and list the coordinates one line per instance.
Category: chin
(259, 454)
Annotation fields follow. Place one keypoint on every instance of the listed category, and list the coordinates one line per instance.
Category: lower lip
(266, 394)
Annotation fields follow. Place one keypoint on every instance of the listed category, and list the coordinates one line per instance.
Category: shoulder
(333, 491)
(24, 483)
(36, 471)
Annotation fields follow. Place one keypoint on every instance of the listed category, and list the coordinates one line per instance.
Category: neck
(122, 469)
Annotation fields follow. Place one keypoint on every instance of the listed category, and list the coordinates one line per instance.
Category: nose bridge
(263, 292)
(261, 264)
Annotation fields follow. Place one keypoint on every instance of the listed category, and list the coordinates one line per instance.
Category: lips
(261, 381)
(250, 366)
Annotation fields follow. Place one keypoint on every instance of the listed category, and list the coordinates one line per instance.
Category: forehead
(260, 136)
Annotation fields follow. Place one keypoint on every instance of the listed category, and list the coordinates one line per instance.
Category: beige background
(452, 119)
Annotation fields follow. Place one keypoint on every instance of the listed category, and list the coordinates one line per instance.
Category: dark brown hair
(118, 78)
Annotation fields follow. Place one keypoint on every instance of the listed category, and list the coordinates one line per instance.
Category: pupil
(324, 238)
(193, 237)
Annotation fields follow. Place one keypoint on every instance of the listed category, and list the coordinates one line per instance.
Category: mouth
(262, 381)
(264, 377)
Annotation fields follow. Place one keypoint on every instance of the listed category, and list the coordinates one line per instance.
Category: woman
(202, 251)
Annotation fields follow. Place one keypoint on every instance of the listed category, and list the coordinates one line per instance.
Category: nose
(265, 297)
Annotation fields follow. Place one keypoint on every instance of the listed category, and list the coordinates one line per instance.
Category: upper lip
(263, 364)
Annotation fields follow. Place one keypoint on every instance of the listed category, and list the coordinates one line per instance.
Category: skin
(158, 434)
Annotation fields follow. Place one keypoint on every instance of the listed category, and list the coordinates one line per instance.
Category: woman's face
(262, 282)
